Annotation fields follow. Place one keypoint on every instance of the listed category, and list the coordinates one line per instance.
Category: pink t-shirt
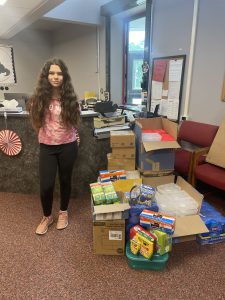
(53, 132)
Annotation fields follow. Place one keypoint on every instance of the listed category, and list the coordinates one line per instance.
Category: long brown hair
(40, 100)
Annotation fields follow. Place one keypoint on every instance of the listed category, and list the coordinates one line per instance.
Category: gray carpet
(61, 264)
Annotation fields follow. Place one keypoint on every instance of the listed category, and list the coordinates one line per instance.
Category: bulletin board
(166, 85)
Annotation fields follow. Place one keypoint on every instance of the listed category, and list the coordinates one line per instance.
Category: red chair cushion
(200, 134)
(182, 161)
(211, 175)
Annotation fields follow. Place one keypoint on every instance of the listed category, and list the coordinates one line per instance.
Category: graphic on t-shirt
(54, 132)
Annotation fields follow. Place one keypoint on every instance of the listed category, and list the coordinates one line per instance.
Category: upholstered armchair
(209, 166)
(192, 136)
(206, 172)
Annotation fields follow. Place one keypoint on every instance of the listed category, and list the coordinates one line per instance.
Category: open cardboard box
(186, 227)
(157, 155)
(158, 123)
(116, 211)
(120, 210)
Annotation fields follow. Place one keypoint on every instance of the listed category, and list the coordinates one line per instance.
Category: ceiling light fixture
(2, 2)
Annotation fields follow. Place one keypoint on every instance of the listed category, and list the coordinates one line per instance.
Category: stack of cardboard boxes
(122, 143)
(155, 161)
(109, 219)
(109, 227)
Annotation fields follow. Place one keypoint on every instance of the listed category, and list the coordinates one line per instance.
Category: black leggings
(53, 157)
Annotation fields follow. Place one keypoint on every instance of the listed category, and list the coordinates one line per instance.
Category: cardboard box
(155, 181)
(214, 156)
(133, 174)
(158, 155)
(151, 173)
(186, 227)
(109, 237)
(123, 152)
(116, 211)
(122, 138)
(120, 163)
(161, 160)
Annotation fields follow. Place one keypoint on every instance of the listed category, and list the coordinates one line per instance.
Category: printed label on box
(115, 235)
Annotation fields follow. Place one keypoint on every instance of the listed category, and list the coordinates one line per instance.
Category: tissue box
(153, 219)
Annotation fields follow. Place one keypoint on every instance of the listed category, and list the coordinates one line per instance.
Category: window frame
(125, 52)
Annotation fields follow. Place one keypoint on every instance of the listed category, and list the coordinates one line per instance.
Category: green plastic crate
(157, 262)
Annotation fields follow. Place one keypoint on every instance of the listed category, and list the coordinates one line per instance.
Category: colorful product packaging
(146, 249)
(142, 194)
(112, 175)
(163, 243)
(146, 234)
(97, 193)
(146, 192)
(142, 241)
(110, 193)
(157, 220)
(135, 246)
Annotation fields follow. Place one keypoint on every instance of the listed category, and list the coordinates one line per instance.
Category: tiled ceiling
(15, 15)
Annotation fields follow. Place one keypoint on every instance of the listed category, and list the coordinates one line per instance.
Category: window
(134, 48)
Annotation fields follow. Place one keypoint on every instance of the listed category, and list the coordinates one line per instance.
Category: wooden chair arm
(199, 152)
(193, 150)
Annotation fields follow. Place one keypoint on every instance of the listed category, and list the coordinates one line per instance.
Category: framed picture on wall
(166, 85)
(7, 66)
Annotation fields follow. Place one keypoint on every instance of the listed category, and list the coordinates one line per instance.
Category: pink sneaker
(62, 220)
(43, 226)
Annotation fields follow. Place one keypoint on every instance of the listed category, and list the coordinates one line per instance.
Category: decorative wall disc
(10, 142)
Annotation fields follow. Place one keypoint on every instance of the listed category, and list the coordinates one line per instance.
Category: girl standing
(55, 116)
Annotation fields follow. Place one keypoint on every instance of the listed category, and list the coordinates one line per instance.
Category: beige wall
(209, 64)
(31, 49)
(77, 46)
(172, 24)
